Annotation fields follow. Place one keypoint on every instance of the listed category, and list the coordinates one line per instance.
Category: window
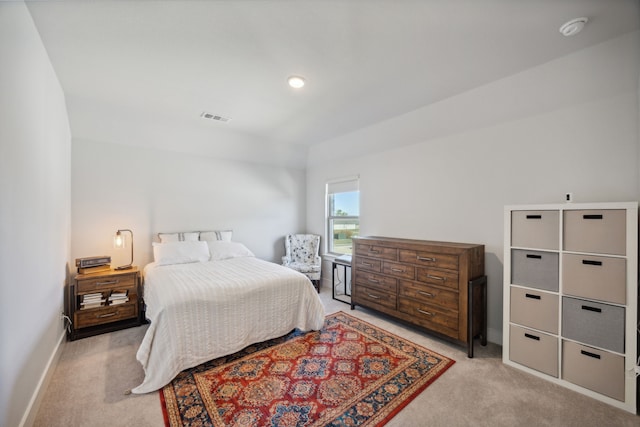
(343, 215)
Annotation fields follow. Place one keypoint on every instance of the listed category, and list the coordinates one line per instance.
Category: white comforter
(201, 311)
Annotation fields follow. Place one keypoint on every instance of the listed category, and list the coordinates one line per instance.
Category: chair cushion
(304, 268)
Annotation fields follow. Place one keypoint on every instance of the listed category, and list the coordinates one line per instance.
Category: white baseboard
(30, 413)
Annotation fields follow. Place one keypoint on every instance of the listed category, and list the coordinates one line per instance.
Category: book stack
(118, 297)
(94, 264)
(91, 301)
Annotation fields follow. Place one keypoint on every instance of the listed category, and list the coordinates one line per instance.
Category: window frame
(353, 185)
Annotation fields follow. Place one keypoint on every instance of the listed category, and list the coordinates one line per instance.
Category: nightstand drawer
(108, 314)
(106, 283)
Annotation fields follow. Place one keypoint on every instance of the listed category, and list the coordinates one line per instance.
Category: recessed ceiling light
(573, 27)
(296, 82)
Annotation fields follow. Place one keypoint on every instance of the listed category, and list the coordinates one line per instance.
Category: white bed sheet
(201, 311)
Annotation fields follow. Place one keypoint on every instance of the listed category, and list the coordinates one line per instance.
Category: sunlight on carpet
(350, 373)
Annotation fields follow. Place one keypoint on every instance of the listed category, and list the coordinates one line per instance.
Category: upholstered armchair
(301, 254)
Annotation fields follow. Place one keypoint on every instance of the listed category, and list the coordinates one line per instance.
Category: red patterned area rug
(350, 373)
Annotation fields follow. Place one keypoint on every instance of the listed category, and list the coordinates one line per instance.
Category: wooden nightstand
(106, 314)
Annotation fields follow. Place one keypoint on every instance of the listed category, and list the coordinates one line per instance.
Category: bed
(217, 305)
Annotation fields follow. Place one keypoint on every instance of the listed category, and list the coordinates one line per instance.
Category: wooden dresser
(439, 286)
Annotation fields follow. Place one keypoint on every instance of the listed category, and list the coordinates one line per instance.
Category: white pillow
(180, 252)
(178, 237)
(210, 236)
(220, 249)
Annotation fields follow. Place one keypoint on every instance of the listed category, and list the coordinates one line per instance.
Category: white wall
(35, 146)
(149, 191)
(567, 126)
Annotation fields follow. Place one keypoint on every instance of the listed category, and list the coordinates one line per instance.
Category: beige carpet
(89, 383)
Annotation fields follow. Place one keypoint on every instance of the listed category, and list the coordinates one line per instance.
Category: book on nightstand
(96, 269)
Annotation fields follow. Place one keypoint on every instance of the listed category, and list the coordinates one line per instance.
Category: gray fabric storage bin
(535, 269)
(593, 323)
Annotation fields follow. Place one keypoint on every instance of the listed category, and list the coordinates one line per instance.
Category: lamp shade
(120, 241)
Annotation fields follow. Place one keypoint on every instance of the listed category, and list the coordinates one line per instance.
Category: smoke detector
(573, 27)
(210, 116)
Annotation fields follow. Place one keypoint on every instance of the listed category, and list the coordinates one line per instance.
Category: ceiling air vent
(206, 115)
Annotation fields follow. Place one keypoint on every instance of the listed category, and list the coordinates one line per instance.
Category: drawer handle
(367, 264)
(534, 216)
(589, 262)
(533, 337)
(595, 309)
(427, 294)
(424, 312)
(374, 251)
(100, 316)
(591, 216)
(586, 353)
(534, 256)
(429, 276)
(373, 280)
(373, 296)
(397, 270)
(422, 258)
(532, 296)
(111, 282)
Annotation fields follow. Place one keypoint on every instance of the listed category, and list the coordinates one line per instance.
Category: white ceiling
(155, 65)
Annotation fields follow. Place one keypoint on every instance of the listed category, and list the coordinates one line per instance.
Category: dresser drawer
(535, 309)
(535, 229)
(596, 231)
(373, 297)
(597, 370)
(369, 264)
(535, 269)
(430, 316)
(438, 277)
(106, 283)
(595, 277)
(373, 251)
(403, 271)
(533, 349)
(598, 324)
(431, 295)
(377, 281)
(108, 314)
(430, 259)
